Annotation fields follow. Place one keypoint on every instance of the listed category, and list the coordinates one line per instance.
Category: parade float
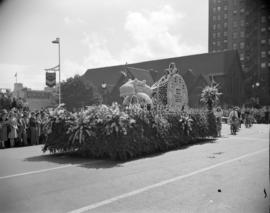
(151, 119)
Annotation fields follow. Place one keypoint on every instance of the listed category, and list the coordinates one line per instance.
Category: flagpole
(57, 41)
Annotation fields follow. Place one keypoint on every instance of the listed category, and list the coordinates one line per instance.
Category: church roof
(202, 64)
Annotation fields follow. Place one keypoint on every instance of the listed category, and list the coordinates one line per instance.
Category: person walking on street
(233, 120)
(219, 113)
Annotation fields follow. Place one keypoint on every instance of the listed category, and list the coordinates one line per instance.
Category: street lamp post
(57, 41)
(104, 87)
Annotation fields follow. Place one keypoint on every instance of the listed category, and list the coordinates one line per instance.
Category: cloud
(98, 52)
(148, 35)
(98, 56)
(154, 35)
(74, 21)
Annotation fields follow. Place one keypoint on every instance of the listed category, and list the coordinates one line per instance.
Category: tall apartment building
(244, 25)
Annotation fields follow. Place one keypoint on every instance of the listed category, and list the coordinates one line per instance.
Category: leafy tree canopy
(77, 93)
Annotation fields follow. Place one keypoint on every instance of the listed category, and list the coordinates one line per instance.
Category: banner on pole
(50, 79)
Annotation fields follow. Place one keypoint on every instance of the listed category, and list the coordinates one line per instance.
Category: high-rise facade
(244, 25)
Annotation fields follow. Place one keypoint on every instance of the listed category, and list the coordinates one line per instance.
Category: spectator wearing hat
(38, 120)
(20, 127)
(13, 123)
(25, 124)
(33, 129)
(3, 127)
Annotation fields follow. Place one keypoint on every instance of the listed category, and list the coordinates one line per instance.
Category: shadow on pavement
(73, 159)
(171, 149)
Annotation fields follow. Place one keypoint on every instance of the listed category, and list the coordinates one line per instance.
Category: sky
(95, 33)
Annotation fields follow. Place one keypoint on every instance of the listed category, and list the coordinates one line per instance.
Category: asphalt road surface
(227, 175)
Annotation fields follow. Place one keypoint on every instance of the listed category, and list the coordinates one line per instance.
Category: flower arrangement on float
(122, 132)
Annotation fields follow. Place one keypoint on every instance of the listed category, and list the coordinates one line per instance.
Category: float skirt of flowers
(123, 133)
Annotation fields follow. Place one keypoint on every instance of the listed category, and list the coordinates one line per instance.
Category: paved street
(227, 175)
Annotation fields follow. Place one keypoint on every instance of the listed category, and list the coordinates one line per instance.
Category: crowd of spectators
(20, 127)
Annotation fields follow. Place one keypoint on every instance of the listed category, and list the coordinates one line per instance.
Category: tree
(77, 93)
(5, 100)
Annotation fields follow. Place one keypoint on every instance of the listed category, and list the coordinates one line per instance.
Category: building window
(218, 18)
(235, 35)
(225, 16)
(263, 29)
(263, 65)
(268, 64)
(218, 43)
(234, 24)
(242, 10)
(225, 7)
(214, 27)
(263, 41)
(218, 26)
(225, 33)
(242, 45)
(268, 52)
(263, 54)
(269, 41)
(214, 18)
(225, 24)
(242, 34)
(234, 46)
(242, 23)
(214, 35)
(214, 43)
(235, 12)
(225, 41)
(214, 9)
(218, 34)
(263, 19)
(218, 8)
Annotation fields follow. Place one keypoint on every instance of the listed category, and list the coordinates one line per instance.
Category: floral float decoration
(136, 92)
(170, 91)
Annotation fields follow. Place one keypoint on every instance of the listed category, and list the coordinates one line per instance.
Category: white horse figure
(136, 92)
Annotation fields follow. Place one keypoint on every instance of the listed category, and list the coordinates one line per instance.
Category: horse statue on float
(136, 92)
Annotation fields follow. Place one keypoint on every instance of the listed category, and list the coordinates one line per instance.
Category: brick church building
(222, 68)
